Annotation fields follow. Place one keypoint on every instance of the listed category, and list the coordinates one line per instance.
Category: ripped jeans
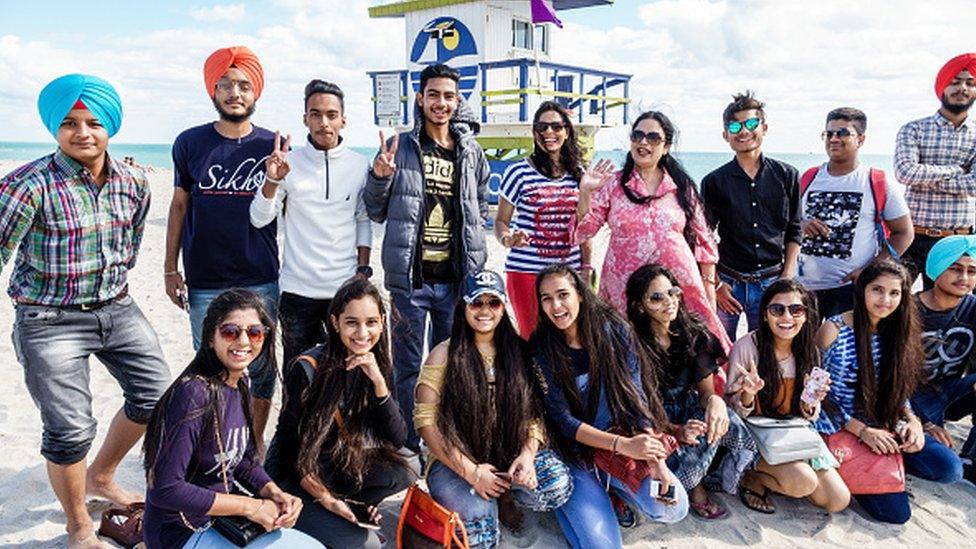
(481, 516)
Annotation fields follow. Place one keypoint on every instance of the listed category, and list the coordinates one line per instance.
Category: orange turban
(956, 65)
(239, 57)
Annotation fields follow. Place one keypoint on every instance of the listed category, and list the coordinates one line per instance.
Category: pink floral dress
(651, 232)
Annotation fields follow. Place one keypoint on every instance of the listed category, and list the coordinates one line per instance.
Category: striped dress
(544, 208)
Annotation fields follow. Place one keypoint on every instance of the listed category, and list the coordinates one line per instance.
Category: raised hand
(276, 164)
(385, 162)
(597, 175)
(749, 382)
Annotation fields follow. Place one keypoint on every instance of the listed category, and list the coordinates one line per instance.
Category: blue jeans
(286, 538)
(409, 327)
(951, 399)
(588, 519)
(262, 378)
(748, 295)
(480, 516)
(933, 462)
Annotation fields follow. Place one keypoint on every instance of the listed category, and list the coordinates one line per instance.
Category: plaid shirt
(75, 242)
(935, 161)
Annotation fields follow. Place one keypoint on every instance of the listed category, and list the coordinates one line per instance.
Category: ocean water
(698, 164)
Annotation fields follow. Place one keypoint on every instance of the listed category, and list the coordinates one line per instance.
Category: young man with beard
(845, 207)
(327, 231)
(754, 203)
(218, 167)
(935, 158)
(949, 338)
(430, 186)
(75, 219)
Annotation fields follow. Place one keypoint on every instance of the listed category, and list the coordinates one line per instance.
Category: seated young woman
(339, 429)
(477, 414)
(200, 440)
(684, 357)
(600, 394)
(764, 369)
(874, 356)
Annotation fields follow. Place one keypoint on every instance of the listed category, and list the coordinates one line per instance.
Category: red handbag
(863, 471)
(424, 523)
(628, 470)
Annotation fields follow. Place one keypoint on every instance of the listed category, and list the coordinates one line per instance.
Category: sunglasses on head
(255, 332)
(750, 124)
(841, 133)
(541, 127)
(652, 138)
(658, 297)
(492, 303)
(795, 309)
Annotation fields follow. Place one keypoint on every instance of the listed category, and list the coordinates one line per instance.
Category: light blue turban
(947, 251)
(61, 95)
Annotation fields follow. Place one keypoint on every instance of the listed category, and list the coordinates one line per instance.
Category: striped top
(840, 360)
(544, 209)
(75, 242)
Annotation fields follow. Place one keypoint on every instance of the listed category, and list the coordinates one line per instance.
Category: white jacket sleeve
(364, 227)
(264, 210)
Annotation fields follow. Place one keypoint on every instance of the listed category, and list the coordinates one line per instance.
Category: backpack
(879, 193)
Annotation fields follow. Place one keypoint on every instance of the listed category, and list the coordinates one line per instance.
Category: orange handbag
(425, 524)
(865, 472)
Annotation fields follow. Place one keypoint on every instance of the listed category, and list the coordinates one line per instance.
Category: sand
(30, 516)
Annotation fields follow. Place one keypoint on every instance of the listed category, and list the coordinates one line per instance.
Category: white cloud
(228, 12)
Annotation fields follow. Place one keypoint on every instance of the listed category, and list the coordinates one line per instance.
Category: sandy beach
(30, 516)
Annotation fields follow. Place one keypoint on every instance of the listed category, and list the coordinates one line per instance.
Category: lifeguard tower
(502, 48)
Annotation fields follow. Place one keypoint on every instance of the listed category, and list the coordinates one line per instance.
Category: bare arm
(174, 232)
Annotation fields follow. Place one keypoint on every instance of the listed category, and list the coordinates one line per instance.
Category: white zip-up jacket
(323, 218)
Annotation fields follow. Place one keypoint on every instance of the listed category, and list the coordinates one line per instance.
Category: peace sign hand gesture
(276, 165)
(385, 162)
(597, 176)
(749, 382)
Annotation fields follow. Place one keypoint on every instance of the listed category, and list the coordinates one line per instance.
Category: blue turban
(61, 95)
(947, 251)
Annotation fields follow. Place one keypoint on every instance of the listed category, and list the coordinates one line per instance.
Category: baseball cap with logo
(483, 282)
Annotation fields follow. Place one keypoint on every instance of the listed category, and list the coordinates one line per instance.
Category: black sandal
(767, 506)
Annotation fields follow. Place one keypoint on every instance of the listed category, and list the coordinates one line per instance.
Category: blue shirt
(221, 249)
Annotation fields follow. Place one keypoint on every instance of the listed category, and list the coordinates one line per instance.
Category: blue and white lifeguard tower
(502, 49)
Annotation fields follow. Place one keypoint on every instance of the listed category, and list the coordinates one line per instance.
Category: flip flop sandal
(123, 525)
(708, 509)
(769, 508)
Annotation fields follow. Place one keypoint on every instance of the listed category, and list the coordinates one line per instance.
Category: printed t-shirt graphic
(839, 211)
(440, 214)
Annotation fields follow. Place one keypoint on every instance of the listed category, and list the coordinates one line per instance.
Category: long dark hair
(570, 156)
(207, 368)
(803, 347)
(691, 336)
(899, 335)
(609, 340)
(488, 432)
(355, 449)
(688, 197)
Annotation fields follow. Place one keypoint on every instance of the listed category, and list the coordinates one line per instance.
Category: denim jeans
(933, 462)
(262, 378)
(286, 538)
(410, 321)
(748, 294)
(588, 519)
(304, 321)
(53, 345)
(951, 399)
(480, 516)
(834, 301)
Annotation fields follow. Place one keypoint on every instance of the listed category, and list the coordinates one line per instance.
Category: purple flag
(542, 13)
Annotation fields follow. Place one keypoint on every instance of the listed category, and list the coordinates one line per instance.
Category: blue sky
(687, 58)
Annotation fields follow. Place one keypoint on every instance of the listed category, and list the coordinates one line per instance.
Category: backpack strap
(879, 192)
(807, 178)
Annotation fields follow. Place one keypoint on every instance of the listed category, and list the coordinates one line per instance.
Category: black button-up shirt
(755, 217)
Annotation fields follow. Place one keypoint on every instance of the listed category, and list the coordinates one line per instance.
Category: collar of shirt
(739, 173)
(969, 123)
(69, 168)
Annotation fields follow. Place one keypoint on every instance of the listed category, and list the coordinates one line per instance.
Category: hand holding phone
(366, 515)
(667, 497)
(819, 378)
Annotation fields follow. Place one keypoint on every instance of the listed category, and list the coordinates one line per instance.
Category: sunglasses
(255, 332)
(658, 297)
(750, 124)
(795, 309)
(493, 303)
(652, 138)
(541, 127)
(841, 133)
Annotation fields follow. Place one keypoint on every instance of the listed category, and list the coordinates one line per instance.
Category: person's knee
(68, 447)
(837, 502)
(801, 482)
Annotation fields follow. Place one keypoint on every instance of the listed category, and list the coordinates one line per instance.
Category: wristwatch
(365, 270)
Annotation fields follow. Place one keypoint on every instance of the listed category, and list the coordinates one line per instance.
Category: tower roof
(397, 8)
